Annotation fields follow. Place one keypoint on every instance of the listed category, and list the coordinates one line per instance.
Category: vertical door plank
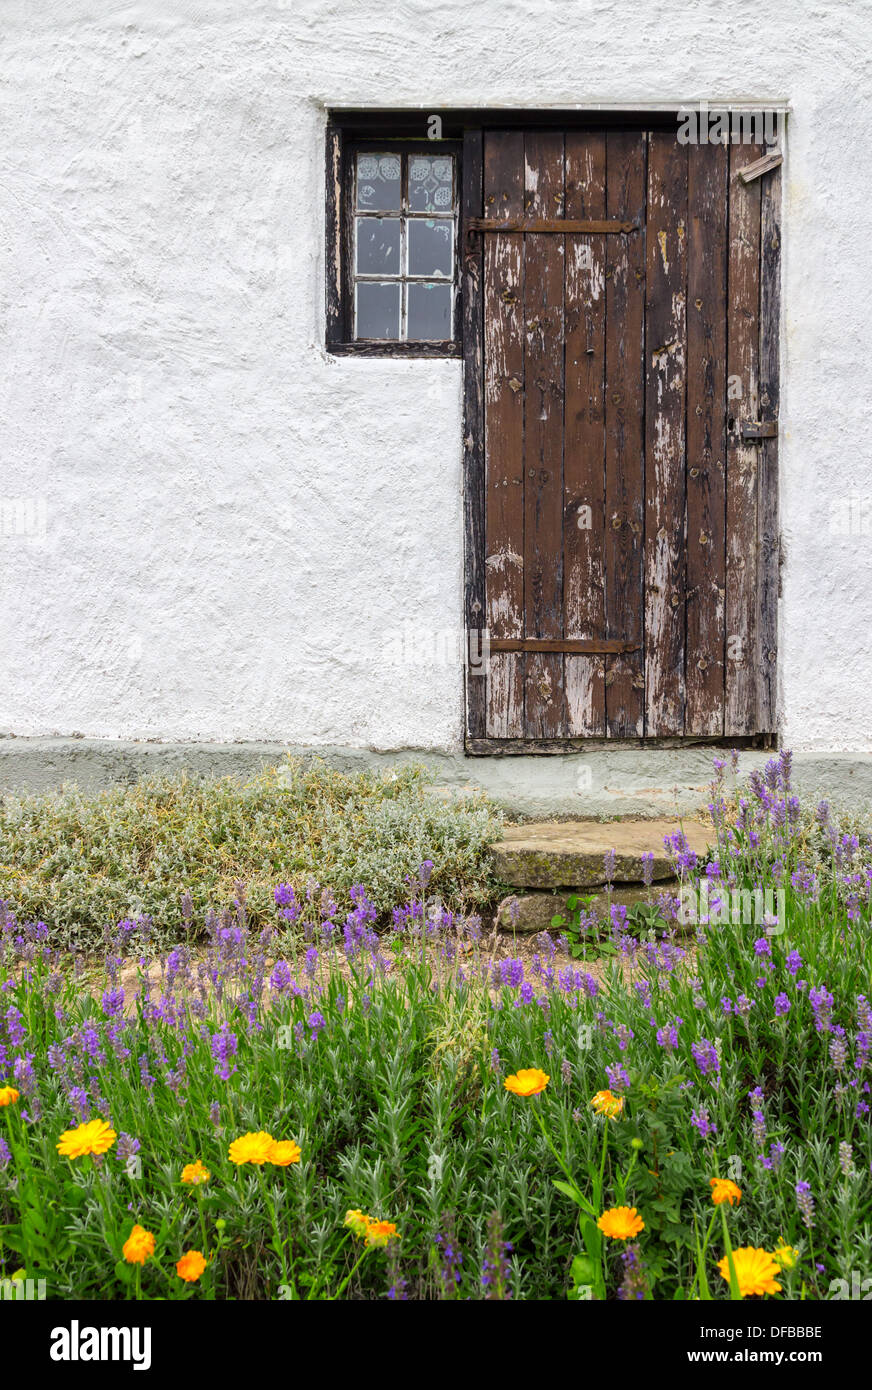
(584, 434)
(706, 442)
(665, 380)
(767, 492)
(624, 419)
(473, 450)
(504, 430)
(543, 432)
(743, 300)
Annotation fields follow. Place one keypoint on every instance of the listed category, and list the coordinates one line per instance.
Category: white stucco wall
(235, 522)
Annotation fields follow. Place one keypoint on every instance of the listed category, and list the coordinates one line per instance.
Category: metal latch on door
(760, 429)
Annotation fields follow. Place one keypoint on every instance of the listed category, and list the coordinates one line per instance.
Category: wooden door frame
(476, 741)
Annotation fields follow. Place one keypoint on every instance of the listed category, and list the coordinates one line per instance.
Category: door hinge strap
(606, 647)
(560, 225)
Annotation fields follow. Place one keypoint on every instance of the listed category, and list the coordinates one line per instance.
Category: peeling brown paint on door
(621, 503)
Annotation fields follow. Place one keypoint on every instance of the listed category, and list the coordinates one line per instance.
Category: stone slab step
(532, 912)
(571, 854)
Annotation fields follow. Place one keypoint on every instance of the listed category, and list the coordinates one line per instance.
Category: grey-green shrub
(78, 860)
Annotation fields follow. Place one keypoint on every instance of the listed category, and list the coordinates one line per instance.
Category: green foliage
(78, 861)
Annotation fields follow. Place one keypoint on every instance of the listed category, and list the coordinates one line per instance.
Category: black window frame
(343, 146)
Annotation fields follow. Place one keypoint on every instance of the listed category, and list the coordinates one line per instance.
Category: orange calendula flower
(725, 1191)
(528, 1082)
(190, 1266)
(284, 1152)
(95, 1137)
(380, 1232)
(195, 1173)
(8, 1095)
(604, 1103)
(138, 1246)
(786, 1256)
(252, 1148)
(755, 1271)
(621, 1223)
(357, 1222)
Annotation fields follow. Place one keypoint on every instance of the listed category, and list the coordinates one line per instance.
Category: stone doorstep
(554, 854)
(534, 911)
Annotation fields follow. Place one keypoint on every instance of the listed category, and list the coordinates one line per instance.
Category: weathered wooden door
(621, 397)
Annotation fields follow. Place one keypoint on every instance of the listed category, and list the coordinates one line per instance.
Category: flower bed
(402, 1116)
(76, 860)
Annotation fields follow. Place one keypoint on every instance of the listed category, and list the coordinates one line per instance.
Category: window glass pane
(430, 248)
(379, 183)
(378, 246)
(429, 311)
(378, 310)
(430, 183)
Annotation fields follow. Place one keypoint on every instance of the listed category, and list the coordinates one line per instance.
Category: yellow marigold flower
(357, 1222)
(786, 1256)
(755, 1271)
(95, 1137)
(621, 1223)
(724, 1191)
(604, 1103)
(380, 1232)
(195, 1173)
(190, 1266)
(284, 1152)
(528, 1082)
(138, 1246)
(252, 1148)
(8, 1095)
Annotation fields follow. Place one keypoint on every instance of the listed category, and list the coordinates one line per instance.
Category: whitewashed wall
(236, 524)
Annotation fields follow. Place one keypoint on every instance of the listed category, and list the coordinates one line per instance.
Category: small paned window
(398, 262)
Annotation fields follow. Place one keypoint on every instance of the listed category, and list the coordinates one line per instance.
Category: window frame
(342, 150)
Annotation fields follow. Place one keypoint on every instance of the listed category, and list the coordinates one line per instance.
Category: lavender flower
(634, 1285)
(126, 1147)
(495, 1271)
(450, 1261)
(822, 1005)
(706, 1057)
(805, 1202)
(512, 973)
(668, 1037)
(280, 979)
(838, 1051)
(701, 1121)
(23, 1074)
(286, 899)
(78, 1098)
(618, 1078)
(224, 1047)
(112, 1002)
